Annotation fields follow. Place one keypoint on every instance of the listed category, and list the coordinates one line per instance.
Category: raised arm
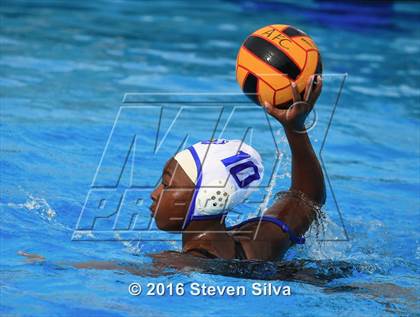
(297, 207)
(307, 176)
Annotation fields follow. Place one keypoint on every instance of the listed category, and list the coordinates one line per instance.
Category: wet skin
(172, 197)
(210, 238)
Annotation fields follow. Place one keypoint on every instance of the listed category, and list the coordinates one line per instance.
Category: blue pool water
(65, 67)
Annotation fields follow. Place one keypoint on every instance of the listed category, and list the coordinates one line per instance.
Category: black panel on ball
(272, 55)
(291, 31)
(250, 87)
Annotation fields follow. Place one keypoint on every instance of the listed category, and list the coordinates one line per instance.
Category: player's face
(171, 199)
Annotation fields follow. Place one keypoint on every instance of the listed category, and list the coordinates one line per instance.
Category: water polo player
(194, 195)
(200, 184)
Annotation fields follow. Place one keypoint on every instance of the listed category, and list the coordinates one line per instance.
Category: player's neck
(202, 230)
(197, 227)
(210, 235)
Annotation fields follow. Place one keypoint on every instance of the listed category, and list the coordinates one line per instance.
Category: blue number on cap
(235, 170)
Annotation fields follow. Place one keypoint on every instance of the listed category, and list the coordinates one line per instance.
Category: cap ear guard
(214, 199)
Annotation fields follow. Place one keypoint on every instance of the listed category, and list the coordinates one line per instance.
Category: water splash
(38, 205)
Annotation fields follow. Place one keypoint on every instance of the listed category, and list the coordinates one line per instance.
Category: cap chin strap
(190, 214)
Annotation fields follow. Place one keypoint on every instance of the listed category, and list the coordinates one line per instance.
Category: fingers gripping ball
(271, 58)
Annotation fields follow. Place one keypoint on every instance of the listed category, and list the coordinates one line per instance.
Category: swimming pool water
(65, 67)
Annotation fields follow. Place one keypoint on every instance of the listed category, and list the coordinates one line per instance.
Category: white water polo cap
(224, 172)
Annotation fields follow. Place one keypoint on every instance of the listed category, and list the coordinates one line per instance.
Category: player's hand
(294, 117)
